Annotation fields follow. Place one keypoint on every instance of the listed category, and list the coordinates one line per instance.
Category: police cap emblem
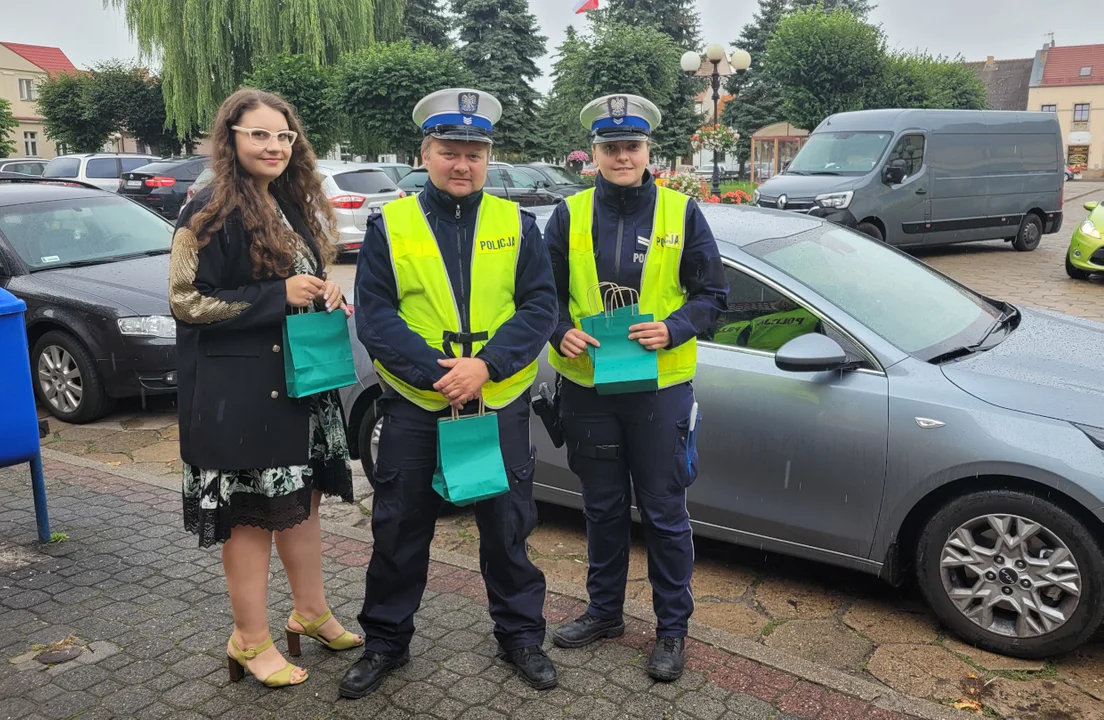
(469, 102)
(618, 106)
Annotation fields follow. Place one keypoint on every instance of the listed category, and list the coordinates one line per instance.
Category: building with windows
(22, 68)
(1069, 81)
(1007, 82)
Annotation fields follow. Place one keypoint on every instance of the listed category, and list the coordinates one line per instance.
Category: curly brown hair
(299, 185)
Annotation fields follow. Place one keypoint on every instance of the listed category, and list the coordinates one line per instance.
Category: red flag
(581, 6)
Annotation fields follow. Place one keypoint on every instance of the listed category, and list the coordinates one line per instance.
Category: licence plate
(134, 183)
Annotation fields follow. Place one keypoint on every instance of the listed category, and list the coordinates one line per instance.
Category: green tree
(65, 103)
(678, 20)
(500, 43)
(309, 90)
(614, 58)
(205, 48)
(426, 22)
(758, 96)
(825, 62)
(377, 90)
(562, 132)
(129, 98)
(860, 8)
(8, 124)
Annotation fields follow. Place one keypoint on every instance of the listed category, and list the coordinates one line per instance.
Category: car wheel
(1012, 573)
(66, 379)
(1030, 233)
(870, 229)
(368, 436)
(1074, 272)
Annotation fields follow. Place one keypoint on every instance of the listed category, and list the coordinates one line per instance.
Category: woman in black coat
(247, 251)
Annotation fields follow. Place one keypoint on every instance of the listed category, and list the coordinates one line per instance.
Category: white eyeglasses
(261, 137)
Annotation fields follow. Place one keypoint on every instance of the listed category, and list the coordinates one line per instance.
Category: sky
(87, 33)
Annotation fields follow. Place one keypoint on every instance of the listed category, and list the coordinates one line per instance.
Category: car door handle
(921, 191)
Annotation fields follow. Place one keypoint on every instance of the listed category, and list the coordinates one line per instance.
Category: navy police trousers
(404, 513)
(637, 442)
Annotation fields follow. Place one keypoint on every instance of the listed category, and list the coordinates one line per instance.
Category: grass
(733, 185)
(773, 625)
(59, 537)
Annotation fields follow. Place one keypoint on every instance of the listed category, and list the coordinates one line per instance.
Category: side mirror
(895, 172)
(810, 353)
(1091, 205)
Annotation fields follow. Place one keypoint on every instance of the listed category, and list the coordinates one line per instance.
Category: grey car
(861, 409)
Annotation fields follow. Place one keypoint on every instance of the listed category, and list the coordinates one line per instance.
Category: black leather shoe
(534, 667)
(584, 630)
(666, 662)
(368, 672)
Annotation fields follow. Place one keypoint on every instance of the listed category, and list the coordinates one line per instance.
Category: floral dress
(280, 497)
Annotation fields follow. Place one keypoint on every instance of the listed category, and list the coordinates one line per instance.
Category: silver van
(929, 177)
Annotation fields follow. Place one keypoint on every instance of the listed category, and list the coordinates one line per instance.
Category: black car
(559, 179)
(93, 269)
(163, 185)
(504, 181)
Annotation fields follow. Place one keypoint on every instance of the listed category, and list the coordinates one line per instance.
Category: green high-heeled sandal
(236, 663)
(345, 641)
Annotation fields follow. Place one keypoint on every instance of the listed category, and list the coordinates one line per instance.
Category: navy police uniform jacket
(623, 219)
(402, 351)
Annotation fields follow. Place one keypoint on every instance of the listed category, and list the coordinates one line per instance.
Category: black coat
(234, 409)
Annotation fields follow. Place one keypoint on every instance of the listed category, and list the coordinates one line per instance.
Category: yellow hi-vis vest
(661, 291)
(426, 301)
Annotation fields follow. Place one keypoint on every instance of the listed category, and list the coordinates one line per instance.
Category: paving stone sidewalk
(148, 611)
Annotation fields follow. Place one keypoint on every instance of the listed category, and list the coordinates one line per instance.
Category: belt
(464, 340)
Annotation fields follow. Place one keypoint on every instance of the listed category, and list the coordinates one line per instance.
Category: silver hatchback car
(861, 409)
(104, 170)
(357, 191)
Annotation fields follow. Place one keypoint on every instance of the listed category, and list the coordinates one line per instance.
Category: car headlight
(755, 197)
(1095, 434)
(837, 201)
(160, 326)
(1089, 228)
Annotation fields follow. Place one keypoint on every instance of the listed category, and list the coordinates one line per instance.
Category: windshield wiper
(143, 253)
(795, 172)
(822, 172)
(1006, 318)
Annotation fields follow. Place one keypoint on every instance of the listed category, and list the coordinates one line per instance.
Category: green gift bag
(622, 365)
(318, 354)
(469, 458)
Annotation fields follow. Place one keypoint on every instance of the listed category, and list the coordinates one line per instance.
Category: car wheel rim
(1031, 234)
(1010, 575)
(60, 379)
(373, 445)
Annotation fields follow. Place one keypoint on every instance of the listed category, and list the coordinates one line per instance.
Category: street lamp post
(693, 64)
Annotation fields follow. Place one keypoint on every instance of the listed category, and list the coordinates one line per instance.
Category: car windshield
(901, 299)
(364, 181)
(561, 176)
(83, 231)
(414, 180)
(840, 153)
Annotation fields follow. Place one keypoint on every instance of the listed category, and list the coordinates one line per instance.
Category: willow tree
(205, 48)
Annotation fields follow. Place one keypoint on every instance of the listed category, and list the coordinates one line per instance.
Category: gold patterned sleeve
(195, 297)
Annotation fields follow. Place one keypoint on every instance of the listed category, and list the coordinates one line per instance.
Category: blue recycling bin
(18, 417)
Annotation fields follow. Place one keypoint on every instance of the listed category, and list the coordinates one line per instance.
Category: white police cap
(458, 114)
(620, 117)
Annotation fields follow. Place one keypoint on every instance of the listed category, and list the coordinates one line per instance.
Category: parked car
(23, 166)
(93, 269)
(395, 171)
(929, 177)
(198, 184)
(961, 446)
(1086, 251)
(726, 173)
(1070, 174)
(163, 185)
(357, 192)
(505, 181)
(104, 170)
(556, 178)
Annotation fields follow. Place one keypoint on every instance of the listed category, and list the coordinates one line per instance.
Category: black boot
(666, 661)
(368, 672)
(534, 667)
(584, 630)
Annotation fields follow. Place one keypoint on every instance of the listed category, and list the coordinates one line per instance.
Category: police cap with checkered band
(620, 117)
(458, 114)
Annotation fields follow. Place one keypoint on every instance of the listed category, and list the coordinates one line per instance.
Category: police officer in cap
(631, 232)
(454, 300)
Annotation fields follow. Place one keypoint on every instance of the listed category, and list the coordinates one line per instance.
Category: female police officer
(633, 233)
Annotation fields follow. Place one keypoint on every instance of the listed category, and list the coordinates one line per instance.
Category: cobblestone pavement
(834, 618)
(149, 615)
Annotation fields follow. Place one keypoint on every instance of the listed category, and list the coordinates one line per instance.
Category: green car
(1086, 251)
